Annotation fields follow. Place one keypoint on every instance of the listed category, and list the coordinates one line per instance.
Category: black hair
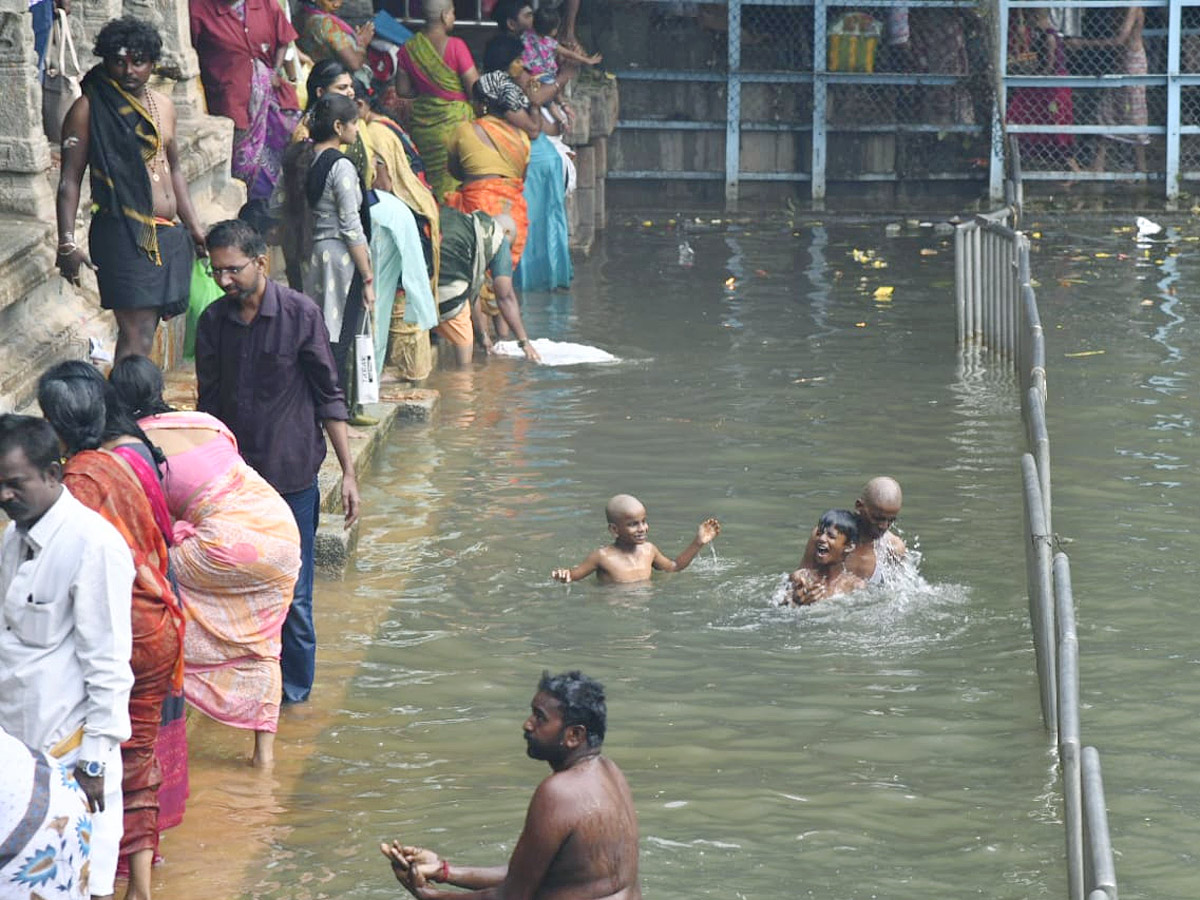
(505, 10)
(32, 435)
(501, 51)
(546, 19)
(84, 410)
(362, 91)
(323, 74)
(237, 233)
(138, 383)
(842, 520)
(582, 702)
(330, 109)
(131, 34)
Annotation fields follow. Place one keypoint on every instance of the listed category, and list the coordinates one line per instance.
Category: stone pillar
(24, 150)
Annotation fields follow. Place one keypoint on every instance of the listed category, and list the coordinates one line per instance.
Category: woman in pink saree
(236, 555)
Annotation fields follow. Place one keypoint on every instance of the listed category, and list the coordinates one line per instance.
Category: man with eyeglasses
(878, 547)
(265, 368)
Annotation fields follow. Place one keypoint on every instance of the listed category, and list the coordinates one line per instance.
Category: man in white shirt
(66, 578)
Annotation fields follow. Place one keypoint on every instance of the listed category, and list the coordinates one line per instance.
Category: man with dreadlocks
(125, 133)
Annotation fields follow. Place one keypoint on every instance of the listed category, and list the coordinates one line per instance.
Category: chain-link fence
(800, 90)
(830, 90)
(1116, 127)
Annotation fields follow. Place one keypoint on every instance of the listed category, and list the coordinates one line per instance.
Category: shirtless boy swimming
(835, 536)
(631, 557)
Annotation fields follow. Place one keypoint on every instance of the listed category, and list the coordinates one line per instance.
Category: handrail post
(1041, 614)
(960, 283)
(1100, 868)
(1068, 723)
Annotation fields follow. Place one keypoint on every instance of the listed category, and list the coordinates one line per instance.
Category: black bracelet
(521, 344)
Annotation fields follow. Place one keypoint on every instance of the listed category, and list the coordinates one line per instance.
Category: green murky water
(886, 745)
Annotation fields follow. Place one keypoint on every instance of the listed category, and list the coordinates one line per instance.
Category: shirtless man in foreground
(876, 510)
(631, 557)
(580, 840)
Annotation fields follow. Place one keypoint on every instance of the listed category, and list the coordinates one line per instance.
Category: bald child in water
(631, 557)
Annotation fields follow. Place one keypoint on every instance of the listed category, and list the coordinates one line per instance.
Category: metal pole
(996, 161)
(820, 61)
(1068, 723)
(1041, 616)
(1102, 871)
(1068, 754)
(960, 283)
(1174, 27)
(994, 292)
(977, 279)
(1022, 322)
(1010, 285)
(986, 263)
(733, 106)
(1039, 441)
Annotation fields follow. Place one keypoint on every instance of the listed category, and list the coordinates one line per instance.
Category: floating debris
(1146, 228)
(1083, 353)
(884, 292)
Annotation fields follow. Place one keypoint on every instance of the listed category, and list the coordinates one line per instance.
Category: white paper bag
(365, 373)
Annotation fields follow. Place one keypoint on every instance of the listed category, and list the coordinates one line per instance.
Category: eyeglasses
(218, 271)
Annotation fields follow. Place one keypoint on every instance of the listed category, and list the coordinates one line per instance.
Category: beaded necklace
(159, 161)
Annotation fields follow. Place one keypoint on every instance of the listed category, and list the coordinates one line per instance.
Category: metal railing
(801, 99)
(997, 313)
(467, 12)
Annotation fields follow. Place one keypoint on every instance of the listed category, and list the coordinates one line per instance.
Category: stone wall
(42, 318)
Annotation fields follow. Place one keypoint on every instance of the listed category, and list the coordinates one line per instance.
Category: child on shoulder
(542, 54)
(631, 557)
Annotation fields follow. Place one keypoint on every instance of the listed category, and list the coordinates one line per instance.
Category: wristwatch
(91, 768)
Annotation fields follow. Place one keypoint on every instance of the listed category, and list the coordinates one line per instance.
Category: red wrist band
(444, 872)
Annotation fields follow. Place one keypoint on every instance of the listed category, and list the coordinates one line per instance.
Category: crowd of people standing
(440, 132)
(157, 555)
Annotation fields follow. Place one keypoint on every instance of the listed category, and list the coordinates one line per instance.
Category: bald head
(877, 507)
(623, 505)
(882, 491)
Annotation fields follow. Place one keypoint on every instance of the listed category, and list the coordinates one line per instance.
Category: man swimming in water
(581, 834)
(631, 557)
(835, 537)
(875, 511)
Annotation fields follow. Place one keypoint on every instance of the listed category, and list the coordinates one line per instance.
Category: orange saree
(104, 482)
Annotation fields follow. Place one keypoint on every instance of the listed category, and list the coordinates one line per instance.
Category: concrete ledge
(334, 544)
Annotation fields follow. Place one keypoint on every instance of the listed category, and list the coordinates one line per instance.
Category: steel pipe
(1041, 614)
(1101, 872)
